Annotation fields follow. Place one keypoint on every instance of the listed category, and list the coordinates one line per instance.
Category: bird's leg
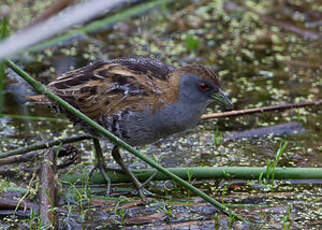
(117, 157)
(100, 164)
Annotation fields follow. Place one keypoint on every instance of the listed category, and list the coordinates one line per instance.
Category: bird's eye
(204, 86)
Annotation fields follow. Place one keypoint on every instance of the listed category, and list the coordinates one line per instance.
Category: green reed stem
(199, 173)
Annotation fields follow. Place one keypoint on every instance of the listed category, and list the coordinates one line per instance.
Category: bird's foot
(102, 168)
(140, 187)
(140, 190)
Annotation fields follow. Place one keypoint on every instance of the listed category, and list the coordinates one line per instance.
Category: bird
(138, 99)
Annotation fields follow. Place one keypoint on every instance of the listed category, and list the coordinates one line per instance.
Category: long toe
(117, 157)
(142, 192)
(102, 169)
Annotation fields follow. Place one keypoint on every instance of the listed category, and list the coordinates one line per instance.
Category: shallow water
(260, 63)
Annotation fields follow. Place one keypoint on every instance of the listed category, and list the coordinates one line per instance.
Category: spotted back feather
(104, 88)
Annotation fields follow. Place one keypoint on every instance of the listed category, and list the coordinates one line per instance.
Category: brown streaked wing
(106, 88)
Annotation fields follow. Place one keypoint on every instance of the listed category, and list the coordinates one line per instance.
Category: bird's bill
(223, 99)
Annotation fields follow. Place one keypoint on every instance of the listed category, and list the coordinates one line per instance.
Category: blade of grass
(268, 171)
(279, 153)
(26, 194)
(42, 89)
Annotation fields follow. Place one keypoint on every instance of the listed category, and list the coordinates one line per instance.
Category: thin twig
(260, 110)
(43, 145)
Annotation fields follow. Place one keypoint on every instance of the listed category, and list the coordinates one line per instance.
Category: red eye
(203, 86)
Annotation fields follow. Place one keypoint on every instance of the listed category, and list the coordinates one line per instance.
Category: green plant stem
(43, 145)
(247, 173)
(42, 89)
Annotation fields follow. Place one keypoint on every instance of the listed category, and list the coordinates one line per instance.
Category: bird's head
(198, 84)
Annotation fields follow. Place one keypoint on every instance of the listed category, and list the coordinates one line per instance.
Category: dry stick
(20, 158)
(6, 203)
(43, 145)
(64, 151)
(260, 110)
(47, 189)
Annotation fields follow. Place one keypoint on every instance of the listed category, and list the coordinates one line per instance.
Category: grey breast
(139, 128)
